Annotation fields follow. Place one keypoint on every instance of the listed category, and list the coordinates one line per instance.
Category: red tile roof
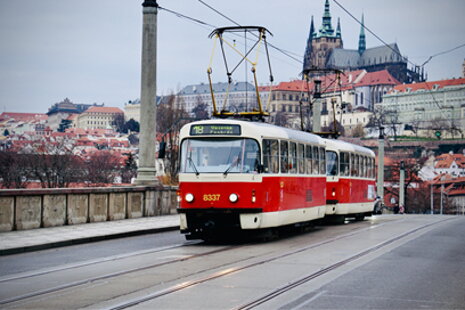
(378, 78)
(445, 160)
(24, 117)
(329, 83)
(104, 110)
(429, 85)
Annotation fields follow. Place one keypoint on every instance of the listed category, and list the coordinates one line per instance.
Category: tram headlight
(233, 197)
(189, 197)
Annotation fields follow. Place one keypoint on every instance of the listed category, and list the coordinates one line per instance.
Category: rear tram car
(350, 180)
(240, 175)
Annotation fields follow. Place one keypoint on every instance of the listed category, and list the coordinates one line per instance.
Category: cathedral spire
(312, 30)
(326, 28)
(308, 48)
(338, 29)
(361, 40)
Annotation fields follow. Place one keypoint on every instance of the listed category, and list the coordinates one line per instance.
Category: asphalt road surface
(384, 262)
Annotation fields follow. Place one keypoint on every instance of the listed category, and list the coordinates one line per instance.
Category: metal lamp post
(380, 181)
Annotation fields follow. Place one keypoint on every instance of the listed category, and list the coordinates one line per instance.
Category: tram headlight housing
(189, 197)
(233, 197)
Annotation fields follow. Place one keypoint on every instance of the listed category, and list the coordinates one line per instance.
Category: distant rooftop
(434, 85)
(217, 88)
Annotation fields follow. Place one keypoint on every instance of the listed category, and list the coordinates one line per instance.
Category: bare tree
(53, 163)
(170, 119)
(358, 131)
(13, 170)
(391, 118)
(102, 168)
(281, 119)
(200, 110)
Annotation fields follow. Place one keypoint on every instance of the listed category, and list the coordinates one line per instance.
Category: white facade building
(429, 107)
(238, 96)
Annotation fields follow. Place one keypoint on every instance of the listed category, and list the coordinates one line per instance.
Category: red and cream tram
(350, 180)
(240, 175)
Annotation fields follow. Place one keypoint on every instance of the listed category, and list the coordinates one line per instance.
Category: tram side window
(365, 167)
(315, 164)
(345, 164)
(301, 158)
(372, 168)
(368, 167)
(308, 159)
(271, 156)
(284, 156)
(322, 161)
(354, 163)
(360, 166)
(357, 165)
(292, 157)
(331, 163)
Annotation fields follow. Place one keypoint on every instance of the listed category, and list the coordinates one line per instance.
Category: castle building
(98, 118)
(62, 110)
(325, 51)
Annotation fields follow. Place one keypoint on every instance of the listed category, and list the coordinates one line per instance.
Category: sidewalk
(42, 238)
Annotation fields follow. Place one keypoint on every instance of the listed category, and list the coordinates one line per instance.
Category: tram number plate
(211, 197)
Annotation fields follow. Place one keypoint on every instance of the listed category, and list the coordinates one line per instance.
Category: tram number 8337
(211, 197)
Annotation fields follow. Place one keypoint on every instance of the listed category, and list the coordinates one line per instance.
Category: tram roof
(262, 130)
(348, 147)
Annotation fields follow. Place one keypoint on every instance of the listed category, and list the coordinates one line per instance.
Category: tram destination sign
(215, 130)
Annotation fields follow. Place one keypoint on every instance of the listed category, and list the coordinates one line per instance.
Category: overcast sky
(89, 51)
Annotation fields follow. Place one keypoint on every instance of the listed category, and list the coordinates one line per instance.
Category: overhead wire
(283, 51)
(187, 17)
(442, 53)
(289, 53)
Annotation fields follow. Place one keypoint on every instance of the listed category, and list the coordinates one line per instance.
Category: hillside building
(62, 110)
(353, 95)
(98, 118)
(427, 108)
(236, 97)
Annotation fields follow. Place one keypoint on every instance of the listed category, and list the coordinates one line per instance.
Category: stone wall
(28, 209)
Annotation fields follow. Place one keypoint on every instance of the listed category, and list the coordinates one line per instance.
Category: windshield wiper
(193, 165)
(234, 163)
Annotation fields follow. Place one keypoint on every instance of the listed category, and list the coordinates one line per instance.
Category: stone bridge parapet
(35, 208)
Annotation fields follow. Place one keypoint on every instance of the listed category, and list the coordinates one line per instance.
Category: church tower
(320, 45)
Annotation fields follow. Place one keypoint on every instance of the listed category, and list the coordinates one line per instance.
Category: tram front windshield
(220, 155)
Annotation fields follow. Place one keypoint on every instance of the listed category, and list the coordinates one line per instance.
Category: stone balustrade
(34, 208)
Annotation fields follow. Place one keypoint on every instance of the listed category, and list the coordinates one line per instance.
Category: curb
(31, 248)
